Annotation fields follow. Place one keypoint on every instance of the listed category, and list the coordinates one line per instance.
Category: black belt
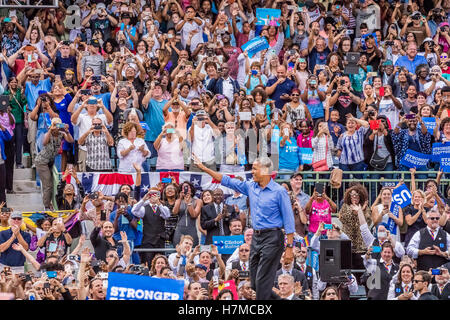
(258, 232)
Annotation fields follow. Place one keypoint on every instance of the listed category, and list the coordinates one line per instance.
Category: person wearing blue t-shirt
(313, 98)
(255, 78)
(33, 86)
(153, 105)
(9, 256)
(96, 88)
(280, 88)
(289, 152)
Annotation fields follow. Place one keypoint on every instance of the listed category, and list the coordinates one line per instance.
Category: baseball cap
(444, 24)
(426, 40)
(94, 43)
(101, 6)
(388, 63)
(16, 214)
(201, 266)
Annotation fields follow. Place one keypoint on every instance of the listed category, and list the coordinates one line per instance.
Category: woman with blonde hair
(131, 149)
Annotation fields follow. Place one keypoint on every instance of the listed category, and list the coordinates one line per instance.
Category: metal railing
(373, 186)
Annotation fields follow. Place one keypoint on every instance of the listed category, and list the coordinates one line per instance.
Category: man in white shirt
(179, 259)
(191, 24)
(430, 245)
(201, 134)
(242, 264)
(153, 215)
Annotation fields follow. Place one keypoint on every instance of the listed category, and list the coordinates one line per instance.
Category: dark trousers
(9, 163)
(2, 183)
(265, 255)
(147, 257)
(18, 142)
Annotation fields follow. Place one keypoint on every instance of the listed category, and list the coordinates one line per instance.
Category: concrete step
(25, 186)
(24, 174)
(25, 202)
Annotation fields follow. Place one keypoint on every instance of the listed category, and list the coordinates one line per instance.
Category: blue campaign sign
(401, 196)
(392, 226)
(255, 45)
(438, 149)
(123, 286)
(305, 155)
(414, 159)
(430, 123)
(227, 244)
(268, 17)
(445, 163)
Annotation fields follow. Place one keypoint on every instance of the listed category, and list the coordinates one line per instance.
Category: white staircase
(28, 195)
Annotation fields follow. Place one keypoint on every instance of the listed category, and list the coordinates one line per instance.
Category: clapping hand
(123, 237)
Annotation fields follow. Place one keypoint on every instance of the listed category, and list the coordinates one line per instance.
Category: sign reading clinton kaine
(227, 244)
(123, 286)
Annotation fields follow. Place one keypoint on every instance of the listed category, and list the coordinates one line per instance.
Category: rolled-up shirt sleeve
(286, 212)
(399, 250)
(235, 184)
(366, 235)
(138, 209)
(165, 212)
(413, 247)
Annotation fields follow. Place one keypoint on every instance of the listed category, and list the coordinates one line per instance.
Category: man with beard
(441, 289)
(300, 255)
(102, 22)
(344, 100)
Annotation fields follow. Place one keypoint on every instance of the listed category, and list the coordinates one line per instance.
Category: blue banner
(255, 45)
(227, 244)
(123, 286)
(414, 159)
(268, 17)
(438, 149)
(305, 155)
(392, 226)
(430, 123)
(312, 259)
(401, 196)
(445, 163)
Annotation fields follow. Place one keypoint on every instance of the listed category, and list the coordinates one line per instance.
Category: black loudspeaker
(4, 102)
(335, 260)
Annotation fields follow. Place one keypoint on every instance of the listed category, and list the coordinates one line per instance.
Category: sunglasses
(417, 281)
(434, 218)
(16, 218)
(354, 195)
(244, 250)
(295, 95)
(443, 57)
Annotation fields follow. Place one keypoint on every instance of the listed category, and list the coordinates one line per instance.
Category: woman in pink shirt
(170, 145)
(306, 134)
(319, 209)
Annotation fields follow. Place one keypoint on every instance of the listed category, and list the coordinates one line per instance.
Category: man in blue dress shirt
(271, 211)
(411, 60)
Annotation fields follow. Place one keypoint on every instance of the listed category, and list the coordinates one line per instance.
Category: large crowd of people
(137, 86)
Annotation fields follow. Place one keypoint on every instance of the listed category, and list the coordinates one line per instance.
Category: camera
(416, 16)
(389, 43)
(96, 78)
(5, 209)
(371, 113)
(93, 196)
(97, 127)
(342, 82)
